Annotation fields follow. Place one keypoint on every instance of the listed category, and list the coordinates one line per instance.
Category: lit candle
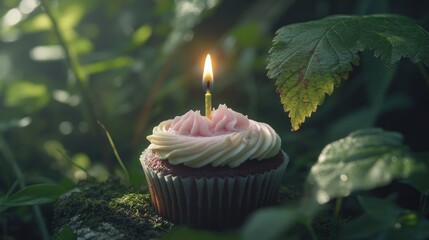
(208, 85)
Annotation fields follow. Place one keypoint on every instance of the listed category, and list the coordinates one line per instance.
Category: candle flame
(208, 75)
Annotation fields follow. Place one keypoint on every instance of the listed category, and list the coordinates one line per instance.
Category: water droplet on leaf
(322, 197)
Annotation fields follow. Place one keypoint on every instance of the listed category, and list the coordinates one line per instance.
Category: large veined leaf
(308, 60)
(363, 160)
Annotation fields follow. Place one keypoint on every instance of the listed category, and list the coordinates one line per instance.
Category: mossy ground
(108, 208)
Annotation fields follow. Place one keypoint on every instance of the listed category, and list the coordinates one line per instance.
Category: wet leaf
(363, 160)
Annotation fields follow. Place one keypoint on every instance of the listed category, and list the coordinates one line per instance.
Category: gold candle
(208, 85)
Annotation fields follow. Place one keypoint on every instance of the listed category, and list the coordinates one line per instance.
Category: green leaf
(382, 219)
(141, 35)
(277, 220)
(308, 60)
(363, 160)
(364, 227)
(420, 181)
(26, 95)
(382, 209)
(271, 223)
(106, 65)
(193, 234)
(35, 194)
(418, 232)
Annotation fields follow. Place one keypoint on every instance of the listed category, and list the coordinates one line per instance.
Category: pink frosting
(223, 121)
(228, 139)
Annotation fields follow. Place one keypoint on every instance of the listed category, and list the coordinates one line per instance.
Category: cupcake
(212, 173)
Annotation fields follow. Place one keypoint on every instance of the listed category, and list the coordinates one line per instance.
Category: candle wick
(208, 86)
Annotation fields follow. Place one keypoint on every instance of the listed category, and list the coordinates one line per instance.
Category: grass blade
(118, 158)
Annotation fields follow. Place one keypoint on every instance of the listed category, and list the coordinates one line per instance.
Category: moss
(324, 225)
(96, 206)
(289, 194)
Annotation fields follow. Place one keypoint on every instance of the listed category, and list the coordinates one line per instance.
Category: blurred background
(131, 64)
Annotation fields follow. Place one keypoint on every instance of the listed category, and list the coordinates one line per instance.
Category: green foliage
(108, 64)
(139, 63)
(382, 219)
(308, 60)
(270, 224)
(363, 160)
(32, 195)
(26, 95)
(419, 181)
(141, 35)
(193, 234)
(247, 35)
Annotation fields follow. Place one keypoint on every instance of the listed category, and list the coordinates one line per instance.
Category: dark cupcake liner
(213, 202)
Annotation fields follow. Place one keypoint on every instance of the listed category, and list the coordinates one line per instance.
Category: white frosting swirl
(229, 138)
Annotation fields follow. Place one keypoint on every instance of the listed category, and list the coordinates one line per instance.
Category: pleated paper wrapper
(213, 202)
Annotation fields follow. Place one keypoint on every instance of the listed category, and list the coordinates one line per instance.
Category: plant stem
(80, 76)
(338, 204)
(336, 216)
(10, 158)
(310, 229)
(41, 222)
(8, 155)
(423, 208)
(424, 73)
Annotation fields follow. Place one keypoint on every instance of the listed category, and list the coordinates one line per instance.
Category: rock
(108, 210)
